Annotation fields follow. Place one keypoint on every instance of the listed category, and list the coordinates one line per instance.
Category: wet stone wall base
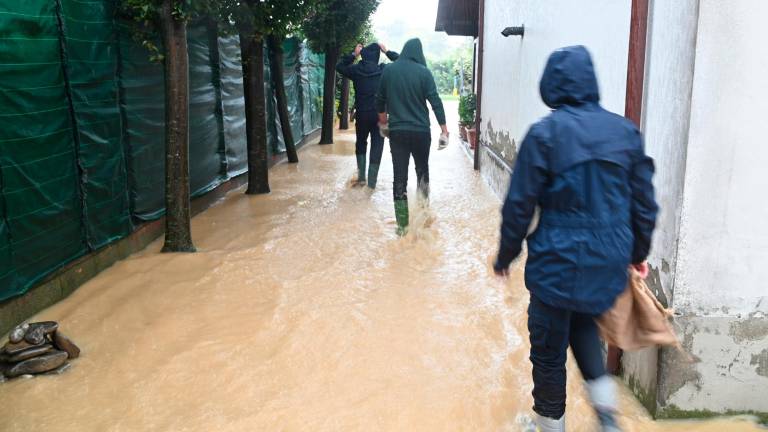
(494, 170)
(726, 373)
(639, 370)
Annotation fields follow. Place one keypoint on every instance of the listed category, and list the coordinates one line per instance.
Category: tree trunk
(276, 69)
(329, 94)
(178, 235)
(344, 104)
(252, 53)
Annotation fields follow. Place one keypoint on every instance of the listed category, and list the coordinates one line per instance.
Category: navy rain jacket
(587, 171)
(365, 75)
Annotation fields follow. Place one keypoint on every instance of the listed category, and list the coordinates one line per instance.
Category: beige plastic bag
(637, 319)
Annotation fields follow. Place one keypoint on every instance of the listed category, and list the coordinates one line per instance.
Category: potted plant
(467, 105)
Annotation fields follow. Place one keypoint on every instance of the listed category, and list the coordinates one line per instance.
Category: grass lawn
(448, 97)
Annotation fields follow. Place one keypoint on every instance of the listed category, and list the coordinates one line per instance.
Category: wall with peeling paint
(670, 52)
(723, 368)
(721, 279)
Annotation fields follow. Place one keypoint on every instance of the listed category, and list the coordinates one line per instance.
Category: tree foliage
(264, 17)
(364, 37)
(458, 62)
(337, 23)
(146, 16)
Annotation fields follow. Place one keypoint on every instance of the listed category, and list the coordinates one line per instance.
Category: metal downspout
(479, 78)
(633, 108)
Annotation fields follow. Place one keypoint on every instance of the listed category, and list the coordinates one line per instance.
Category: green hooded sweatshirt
(406, 86)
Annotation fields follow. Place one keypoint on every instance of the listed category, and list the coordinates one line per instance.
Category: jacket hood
(412, 50)
(569, 78)
(371, 53)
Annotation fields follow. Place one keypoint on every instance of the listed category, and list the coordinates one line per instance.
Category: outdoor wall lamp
(514, 31)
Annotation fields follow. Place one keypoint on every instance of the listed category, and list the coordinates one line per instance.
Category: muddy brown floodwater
(302, 311)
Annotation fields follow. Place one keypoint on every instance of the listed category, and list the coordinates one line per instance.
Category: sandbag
(637, 319)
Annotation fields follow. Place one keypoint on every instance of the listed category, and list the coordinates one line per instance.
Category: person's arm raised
(346, 65)
(391, 55)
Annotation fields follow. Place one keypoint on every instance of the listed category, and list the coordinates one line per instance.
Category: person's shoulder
(625, 123)
(619, 121)
(618, 124)
(542, 129)
(539, 133)
(631, 133)
(422, 72)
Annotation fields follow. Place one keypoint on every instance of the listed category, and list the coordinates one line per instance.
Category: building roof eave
(458, 17)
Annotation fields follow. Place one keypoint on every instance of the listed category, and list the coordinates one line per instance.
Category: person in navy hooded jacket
(586, 169)
(365, 76)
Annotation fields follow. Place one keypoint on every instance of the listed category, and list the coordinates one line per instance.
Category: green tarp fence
(303, 79)
(90, 50)
(82, 115)
(142, 106)
(42, 189)
(206, 150)
(312, 74)
(233, 105)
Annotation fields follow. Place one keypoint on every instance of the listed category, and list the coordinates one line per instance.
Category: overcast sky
(399, 20)
(416, 13)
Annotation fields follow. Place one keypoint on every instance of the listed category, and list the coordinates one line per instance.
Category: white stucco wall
(513, 66)
(722, 267)
(670, 52)
(669, 68)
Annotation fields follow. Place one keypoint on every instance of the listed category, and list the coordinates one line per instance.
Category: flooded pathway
(303, 311)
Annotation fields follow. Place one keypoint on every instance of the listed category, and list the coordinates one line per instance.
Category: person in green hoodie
(405, 88)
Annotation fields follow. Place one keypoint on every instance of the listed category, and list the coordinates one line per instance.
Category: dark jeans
(552, 330)
(368, 124)
(404, 144)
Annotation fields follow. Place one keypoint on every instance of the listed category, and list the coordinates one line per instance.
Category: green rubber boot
(401, 215)
(361, 169)
(373, 175)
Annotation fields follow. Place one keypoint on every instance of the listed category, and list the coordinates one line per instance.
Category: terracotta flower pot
(463, 131)
(472, 135)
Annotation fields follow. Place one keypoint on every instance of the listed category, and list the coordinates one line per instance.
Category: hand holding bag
(637, 319)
